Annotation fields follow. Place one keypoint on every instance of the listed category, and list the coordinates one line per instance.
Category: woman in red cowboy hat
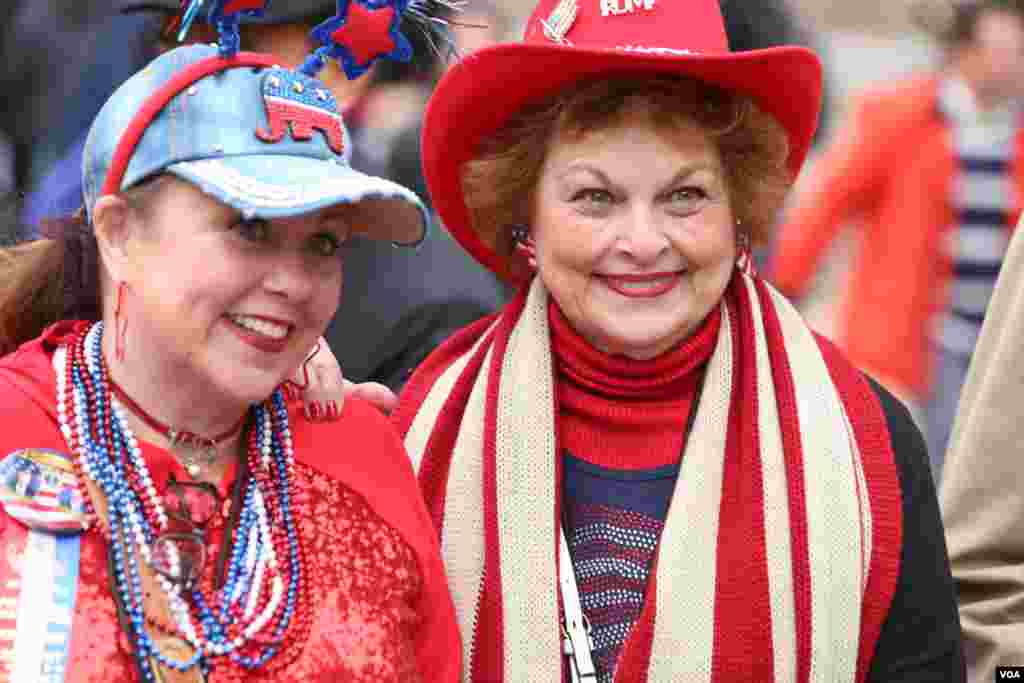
(647, 467)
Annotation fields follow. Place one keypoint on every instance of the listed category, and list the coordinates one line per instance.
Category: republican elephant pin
(299, 105)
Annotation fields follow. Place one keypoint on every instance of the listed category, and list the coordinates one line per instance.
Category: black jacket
(920, 640)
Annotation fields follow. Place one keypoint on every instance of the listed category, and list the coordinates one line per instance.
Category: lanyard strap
(576, 642)
(49, 583)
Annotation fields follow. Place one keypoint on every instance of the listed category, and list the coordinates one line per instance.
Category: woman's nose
(289, 275)
(642, 236)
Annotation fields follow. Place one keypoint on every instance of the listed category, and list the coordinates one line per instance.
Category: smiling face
(634, 232)
(225, 303)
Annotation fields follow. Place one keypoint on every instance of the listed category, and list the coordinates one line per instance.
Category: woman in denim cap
(222, 538)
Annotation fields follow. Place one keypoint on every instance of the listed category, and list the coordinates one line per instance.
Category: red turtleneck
(621, 413)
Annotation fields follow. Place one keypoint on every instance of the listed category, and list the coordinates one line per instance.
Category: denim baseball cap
(266, 140)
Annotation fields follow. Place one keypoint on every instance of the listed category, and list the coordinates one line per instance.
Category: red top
(381, 608)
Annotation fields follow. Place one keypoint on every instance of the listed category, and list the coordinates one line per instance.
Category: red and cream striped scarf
(780, 551)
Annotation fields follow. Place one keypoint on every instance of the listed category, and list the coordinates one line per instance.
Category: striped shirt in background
(982, 201)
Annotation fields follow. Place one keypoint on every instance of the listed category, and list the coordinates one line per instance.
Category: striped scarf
(780, 552)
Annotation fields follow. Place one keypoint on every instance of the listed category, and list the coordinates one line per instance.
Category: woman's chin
(253, 390)
(641, 344)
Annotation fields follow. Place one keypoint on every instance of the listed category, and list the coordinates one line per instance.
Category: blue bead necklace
(252, 616)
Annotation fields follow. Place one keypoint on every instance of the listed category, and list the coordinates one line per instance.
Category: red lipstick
(260, 341)
(645, 286)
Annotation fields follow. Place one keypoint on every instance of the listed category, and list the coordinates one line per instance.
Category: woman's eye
(594, 197)
(686, 199)
(687, 194)
(325, 244)
(253, 230)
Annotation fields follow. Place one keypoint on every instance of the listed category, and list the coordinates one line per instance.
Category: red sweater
(621, 413)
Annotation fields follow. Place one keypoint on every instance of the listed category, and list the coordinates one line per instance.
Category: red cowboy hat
(571, 40)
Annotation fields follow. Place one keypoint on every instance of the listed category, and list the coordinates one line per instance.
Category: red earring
(744, 257)
(524, 245)
(120, 322)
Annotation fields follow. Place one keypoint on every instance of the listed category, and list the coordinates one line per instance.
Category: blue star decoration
(362, 32)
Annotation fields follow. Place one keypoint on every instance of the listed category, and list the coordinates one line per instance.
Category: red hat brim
(481, 92)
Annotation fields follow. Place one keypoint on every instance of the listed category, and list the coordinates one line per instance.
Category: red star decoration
(233, 6)
(366, 32)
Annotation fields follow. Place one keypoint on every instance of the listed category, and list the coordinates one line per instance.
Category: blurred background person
(757, 24)
(481, 23)
(929, 166)
(48, 47)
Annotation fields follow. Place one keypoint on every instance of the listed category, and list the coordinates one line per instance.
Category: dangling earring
(744, 258)
(524, 244)
(120, 321)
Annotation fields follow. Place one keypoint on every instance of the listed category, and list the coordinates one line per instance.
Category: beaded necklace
(262, 609)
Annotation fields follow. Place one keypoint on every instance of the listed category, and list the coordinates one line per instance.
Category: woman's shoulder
(907, 441)
(924, 592)
(28, 399)
(871, 406)
(435, 365)
(361, 448)
(29, 368)
(360, 423)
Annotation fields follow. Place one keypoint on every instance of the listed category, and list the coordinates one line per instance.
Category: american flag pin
(39, 488)
(560, 21)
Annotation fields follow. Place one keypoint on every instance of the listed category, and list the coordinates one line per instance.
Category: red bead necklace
(291, 642)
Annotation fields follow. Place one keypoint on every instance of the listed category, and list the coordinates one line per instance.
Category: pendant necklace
(194, 450)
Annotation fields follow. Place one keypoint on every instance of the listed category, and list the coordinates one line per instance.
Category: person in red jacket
(931, 169)
(214, 535)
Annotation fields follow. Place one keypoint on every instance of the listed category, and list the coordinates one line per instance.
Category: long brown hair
(31, 280)
(58, 277)
(48, 279)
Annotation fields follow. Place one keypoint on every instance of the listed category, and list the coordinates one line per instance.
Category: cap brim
(279, 186)
(478, 95)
